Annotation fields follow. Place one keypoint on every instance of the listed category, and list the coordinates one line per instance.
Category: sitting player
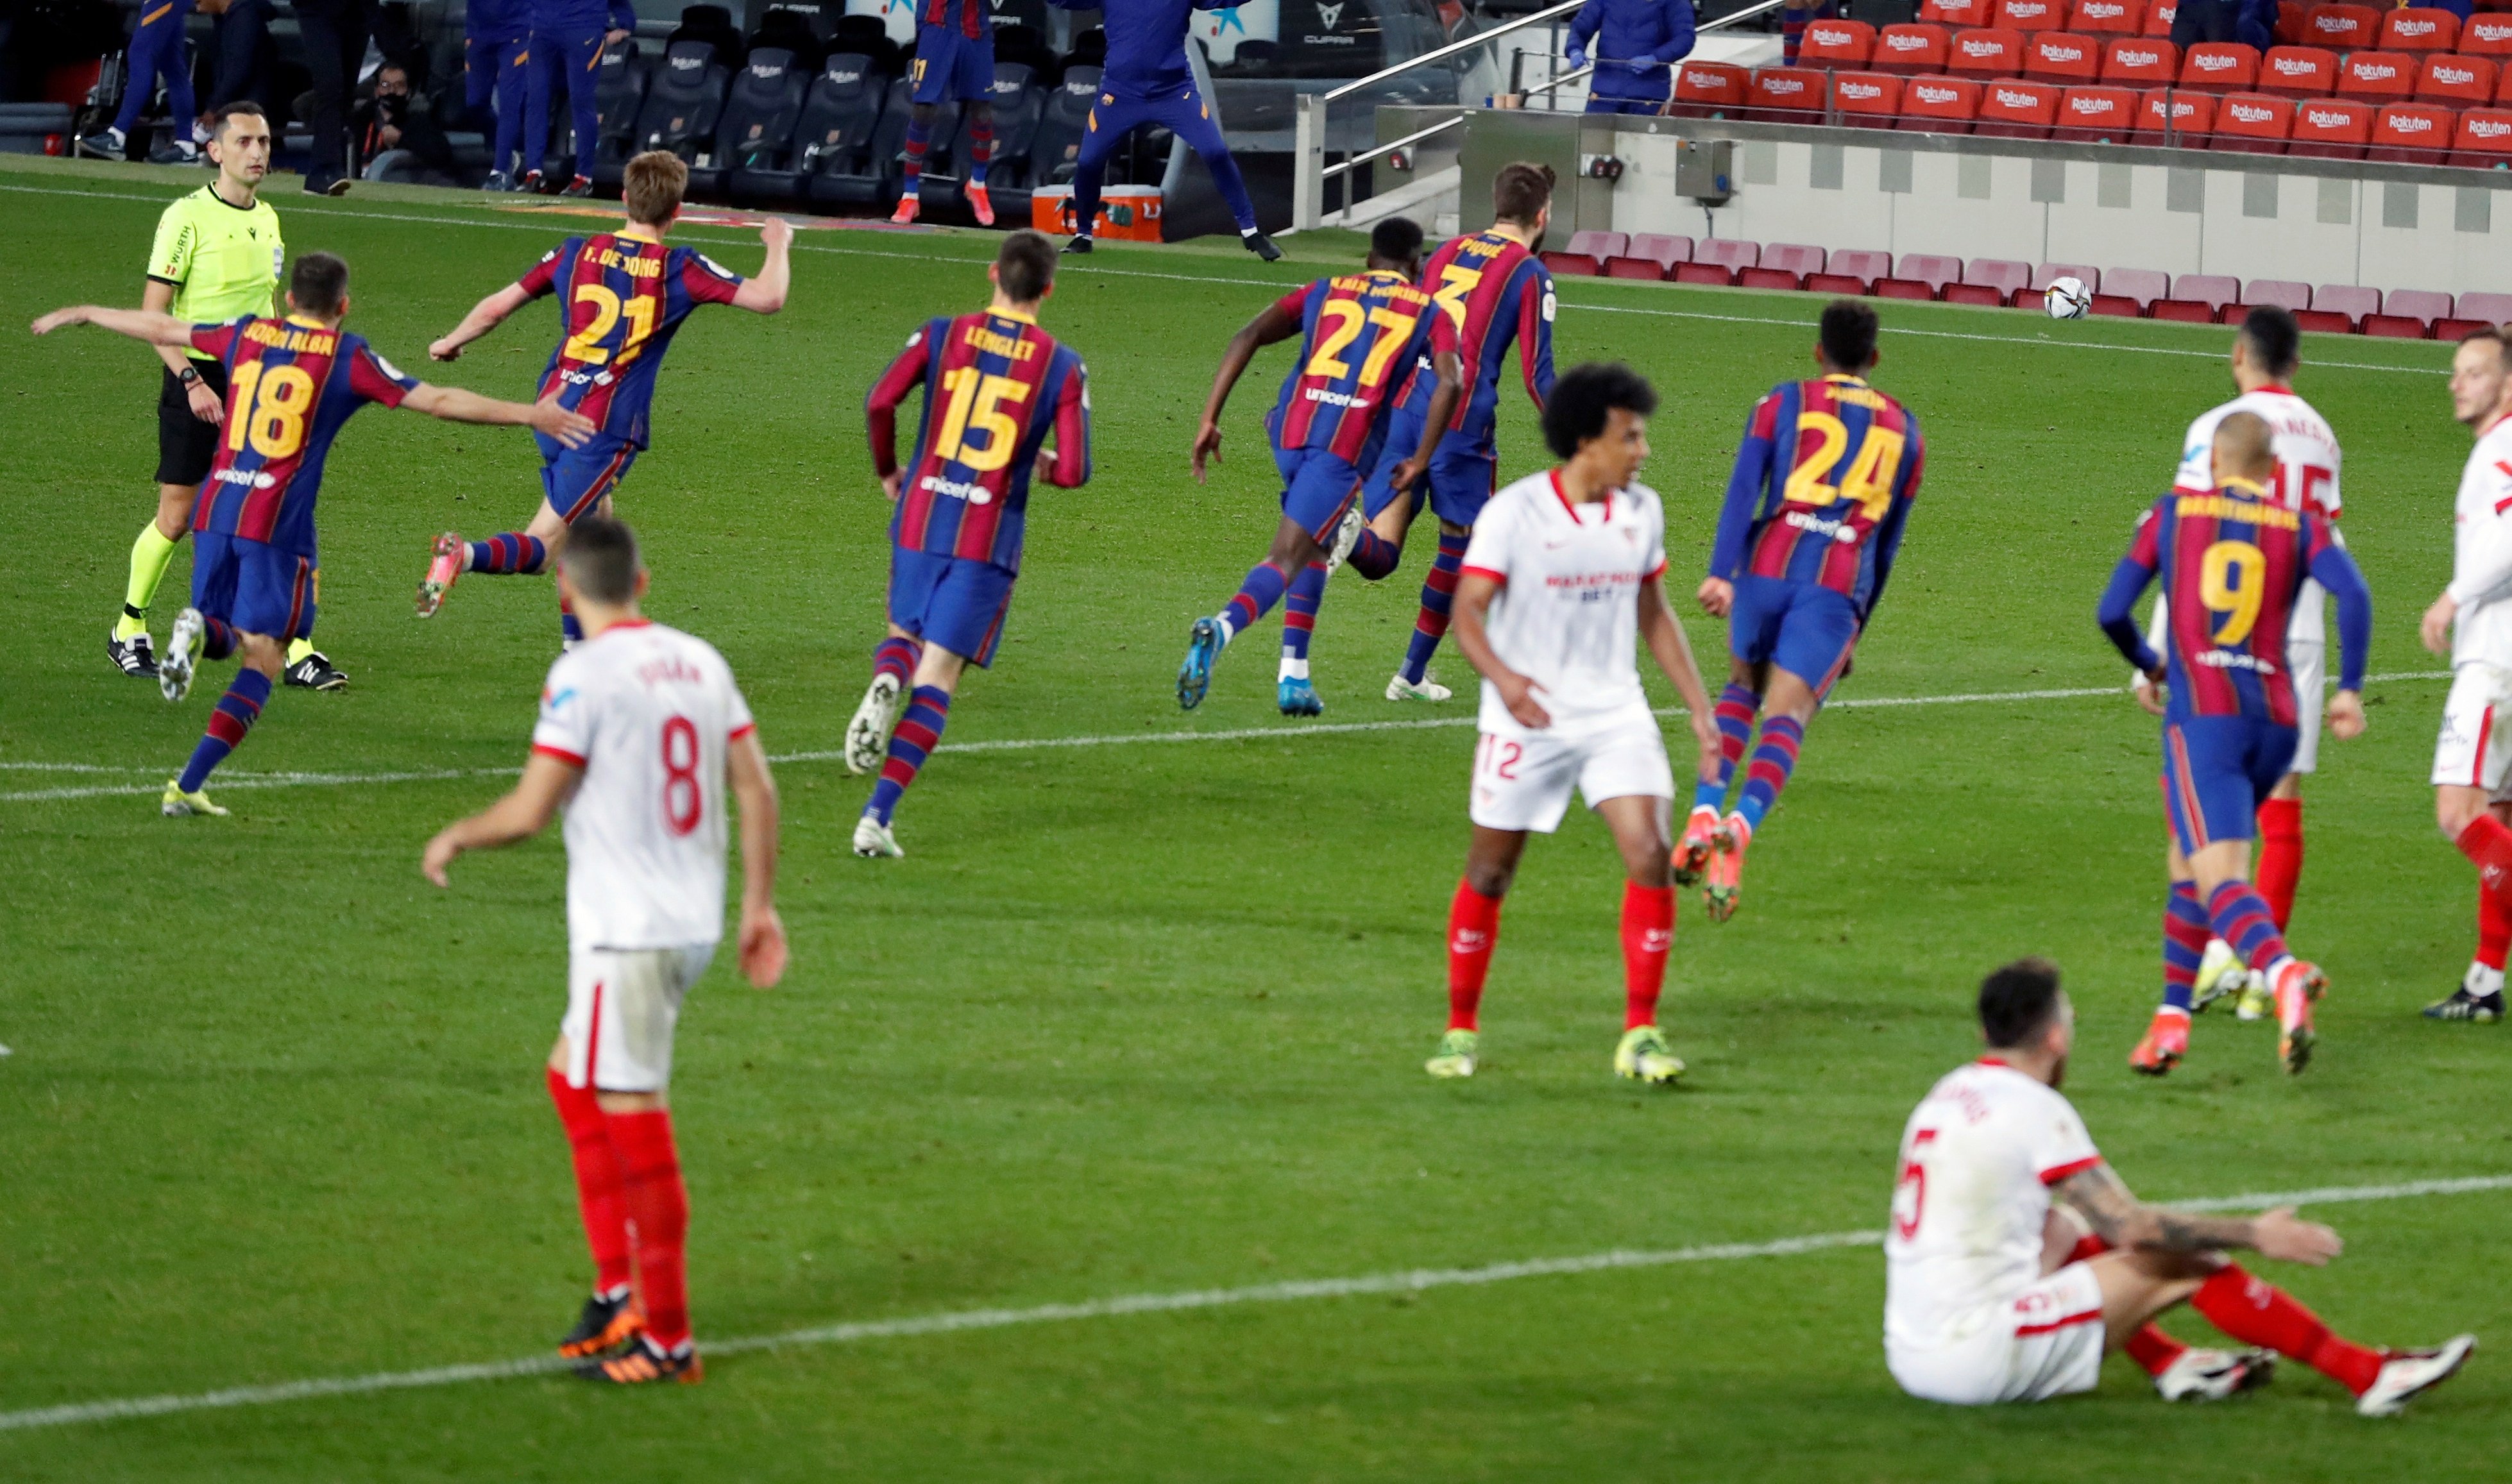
(291, 386)
(1358, 335)
(623, 297)
(955, 63)
(1814, 516)
(1561, 581)
(1992, 1293)
(2233, 563)
(639, 727)
(1000, 385)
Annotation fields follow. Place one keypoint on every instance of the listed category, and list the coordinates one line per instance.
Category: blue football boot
(1195, 673)
(1298, 698)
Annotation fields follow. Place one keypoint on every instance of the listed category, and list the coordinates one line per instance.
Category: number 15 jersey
(648, 713)
(621, 300)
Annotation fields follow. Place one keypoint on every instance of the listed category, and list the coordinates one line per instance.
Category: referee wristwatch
(190, 377)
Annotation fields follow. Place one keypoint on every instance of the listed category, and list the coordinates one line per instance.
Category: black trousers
(335, 35)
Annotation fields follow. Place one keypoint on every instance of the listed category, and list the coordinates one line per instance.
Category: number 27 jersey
(648, 713)
(621, 300)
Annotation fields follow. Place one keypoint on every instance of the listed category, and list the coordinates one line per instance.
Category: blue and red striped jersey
(290, 386)
(1359, 337)
(995, 386)
(1822, 485)
(621, 300)
(971, 16)
(1495, 293)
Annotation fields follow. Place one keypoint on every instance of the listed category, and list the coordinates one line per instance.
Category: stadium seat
(2331, 128)
(2140, 61)
(2029, 16)
(1910, 50)
(2253, 123)
(1652, 256)
(1062, 124)
(2018, 110)
(2342, 28)
(1712, 90)
(1717, 260)
(872, 178)
(1932, 271)
(2063, 57)
(2299, 72)
(2193, 118)
(1989, 281)
(682, 100)
(2158, 19)
(2220, 66)
(2407, 314)
(2418, 31)
(2484, 139)
(2415, 134)
(1784, 265)
(1833, 43)
(1851, 270)
(1871, 100)
(2487, 35)
(2047, 274)
(1585, 256)
(865, 36)
(2097, 115)
(619, 93)
(2338, 308)
(710, 26)
(2378, 75)
(794, 33)
(2289, 28)
(839, 112)
(2455, 82)
(2474, 311)
(2138, 287)
(2197, 297)
(756, 128)
(1955, 13)
(1940, 105)
(2107, 17)
(1985, 53)
(2283, 293)
(1787, 95)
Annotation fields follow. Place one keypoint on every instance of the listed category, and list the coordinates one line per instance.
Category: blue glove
(1643, 61)
(1577, 55)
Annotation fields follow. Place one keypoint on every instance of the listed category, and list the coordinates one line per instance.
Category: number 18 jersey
(648, 713)
(621, 300)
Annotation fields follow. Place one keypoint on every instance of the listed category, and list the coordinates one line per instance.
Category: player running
(2472, 622)
(291, 386)
(639, 727)
(955, 63)
(1813, 520)
(2017, 1258)
(622, 297)
(1561, 582)
(1495, 291)
(1358, 334)
(2233, 563)
(995, 386)
(2265, 352)
(1147, 81)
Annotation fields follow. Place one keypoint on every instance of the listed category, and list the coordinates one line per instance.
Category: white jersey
(1979, 1157)
(1567, 614)
(2306, 478)
(647, 712)
(2481, 555)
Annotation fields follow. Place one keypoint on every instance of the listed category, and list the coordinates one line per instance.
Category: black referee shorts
(185, 444)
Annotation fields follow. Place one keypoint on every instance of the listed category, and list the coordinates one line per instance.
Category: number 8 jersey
(622, 299)
(647, 712)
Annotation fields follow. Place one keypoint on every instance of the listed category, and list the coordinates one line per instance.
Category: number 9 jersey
(622, 299)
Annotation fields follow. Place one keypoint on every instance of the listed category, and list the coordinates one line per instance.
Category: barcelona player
(1358, 335)
(995, 387)
(1495, 293)
(955, 63)
(622, 295)
(292, 384)
(2233, 563)
(1815, 509)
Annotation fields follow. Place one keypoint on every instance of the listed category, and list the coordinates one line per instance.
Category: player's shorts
(1804, 628)
(2471, 752)
(254, 586)
(1462, 477)
(2045, 1342)
(952, 67)
(621, 1005)
(1522, 778)
(185, 445)
(2217, 772)
(2307, 664)
(576, 481)
(958, 603)
(1318, 487)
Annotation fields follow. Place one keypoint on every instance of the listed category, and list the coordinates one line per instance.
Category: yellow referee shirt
(223, 260)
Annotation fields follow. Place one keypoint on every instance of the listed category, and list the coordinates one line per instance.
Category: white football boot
(2213, 1375)
(2409, 1373)
(867, 735)
(873, 840)
(1398, 688)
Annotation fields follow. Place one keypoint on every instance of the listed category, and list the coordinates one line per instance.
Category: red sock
(2493, 930)
(1473, 926)
(2263, 1314)
(2154, 1349)
(2489, 843)
(597, 1180)
(2280, 856)
(1648, 932)
(660, 1207)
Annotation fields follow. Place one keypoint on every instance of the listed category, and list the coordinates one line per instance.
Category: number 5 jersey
(622, 299)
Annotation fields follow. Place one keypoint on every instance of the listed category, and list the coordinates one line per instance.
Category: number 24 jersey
(621, 300)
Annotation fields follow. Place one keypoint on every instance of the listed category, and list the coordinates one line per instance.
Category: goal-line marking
(247, 779)
(959, 1321)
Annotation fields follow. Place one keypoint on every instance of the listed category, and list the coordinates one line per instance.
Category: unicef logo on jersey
(957, 489)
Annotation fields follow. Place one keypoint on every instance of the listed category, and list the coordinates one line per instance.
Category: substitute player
(564, 52)
(1815, 511)
(156, 51)
(1360, 333)
(2266, 350)
(640, 727)
(1147, 81)
(955, 63)
(995, 385)
(1561, 582)
(1495, 293)
(496, 71)
(622, 297)
(291, 386)
(2017, 1258)
(2233, 563)
(2472, 622)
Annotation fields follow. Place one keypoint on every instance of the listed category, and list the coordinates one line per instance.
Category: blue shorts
(254, 586)
(952, 67)
(1180, 110)
(1462, 477)
(1804, 628)
(2217, 772)
(1318, 487)
(574, 480)
(958, 603)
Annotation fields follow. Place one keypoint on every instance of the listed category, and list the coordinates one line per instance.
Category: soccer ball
(2068, 299)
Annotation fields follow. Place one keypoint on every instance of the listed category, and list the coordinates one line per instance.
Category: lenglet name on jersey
(1011, 347)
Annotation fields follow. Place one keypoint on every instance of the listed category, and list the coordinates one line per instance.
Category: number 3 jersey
(648, 713)
(1493, 292)
(620, 301)
(1821, 487)
(291, 386)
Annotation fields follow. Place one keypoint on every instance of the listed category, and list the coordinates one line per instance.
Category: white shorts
(2307, 664)
(621, 1005)
(2044, 1342)
(1522, 778)
(2471, 752)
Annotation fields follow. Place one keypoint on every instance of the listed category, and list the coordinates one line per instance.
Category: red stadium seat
(2018, 110)
(2291, 28)
(1837, 44)
(2342, 28)
(2193, 118)
(2283, 293)
(2474, 311)
(2197, 297)
(2331, 128)
(1934, 269)
(2063, 57)
(2415, 133)
(1784, 265)
(2378, 75)
(1955, 13)
(2484, 139)
(2420, 30)
(2407, 314)
(2141, 287)
(2487, 35)
(1709, 90)
(2345, 302)
(2455, 82)
(2097, 115)
(2220, 66)
(2140, 61)
(1985, 53)
(2299, 72)
(2029, 16)
(2107, 17)
(1571, 264)
(2158, 19)
(1989, 281)
(1868, 99)
(2253, 123)
(1852, 270)
(1661, 253)
(1910, 50)
(1940, 105)
(1787, 95)
(1717, 260)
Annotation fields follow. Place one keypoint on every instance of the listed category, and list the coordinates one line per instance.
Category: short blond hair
(651, 186)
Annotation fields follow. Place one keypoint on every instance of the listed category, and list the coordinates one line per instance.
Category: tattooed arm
(2120, 1219)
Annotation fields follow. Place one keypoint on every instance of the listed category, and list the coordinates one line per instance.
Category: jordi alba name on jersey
(1494, 292)
(622, 299)
(1358, 335)
(2233, 560)
(290, 386)
(1826, 464)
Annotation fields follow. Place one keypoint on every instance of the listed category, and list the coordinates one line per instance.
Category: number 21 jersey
(621, 300)
(648, 713)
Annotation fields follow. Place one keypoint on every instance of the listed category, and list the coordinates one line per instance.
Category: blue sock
(1737, 708)
(910, 744)
(233, 717)
(2184, 944)
(569, 630)
(1438, 597)
(1773, 761)
(510, 552)
(1300, 613)
(1255, 598)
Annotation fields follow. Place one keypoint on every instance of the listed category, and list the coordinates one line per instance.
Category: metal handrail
(1443, 54)
(1352, 161)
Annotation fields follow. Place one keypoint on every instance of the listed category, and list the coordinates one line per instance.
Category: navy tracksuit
(566, 52)
(1147, 81)
(157, 46)
(1633, 41)
(496, 63)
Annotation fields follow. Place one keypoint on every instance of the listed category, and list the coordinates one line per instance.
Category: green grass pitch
(1149, 1018)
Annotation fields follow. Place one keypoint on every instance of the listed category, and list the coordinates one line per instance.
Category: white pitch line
(961, 1321)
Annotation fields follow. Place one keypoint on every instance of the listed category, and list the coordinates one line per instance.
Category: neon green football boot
(1643, 1056)
(1456, 1058)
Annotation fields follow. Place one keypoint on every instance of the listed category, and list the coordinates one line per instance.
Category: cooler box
(1127, 213)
